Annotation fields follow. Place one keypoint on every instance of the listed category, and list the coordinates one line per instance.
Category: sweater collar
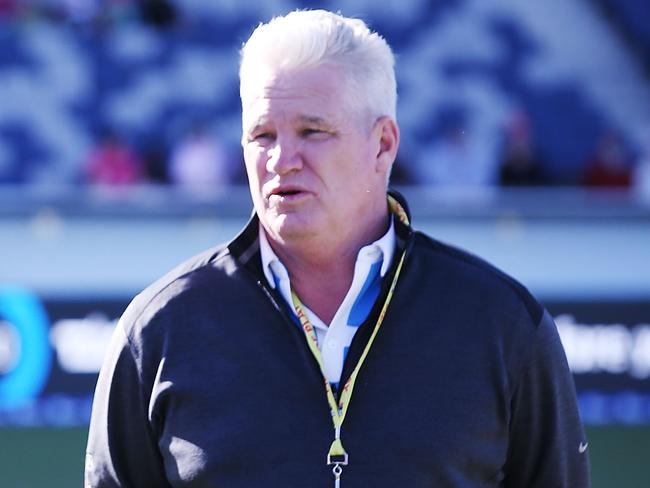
(246, 245)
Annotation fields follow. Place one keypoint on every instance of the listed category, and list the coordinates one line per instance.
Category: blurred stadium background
(526, 139)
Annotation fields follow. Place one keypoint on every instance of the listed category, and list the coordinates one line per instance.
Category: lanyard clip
(338, 459)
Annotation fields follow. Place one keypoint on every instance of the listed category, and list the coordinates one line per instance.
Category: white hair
(310, 38)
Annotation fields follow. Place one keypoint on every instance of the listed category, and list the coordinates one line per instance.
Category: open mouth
(285, 192)
(288, 193)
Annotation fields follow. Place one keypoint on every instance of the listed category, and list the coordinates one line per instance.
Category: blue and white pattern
(150, 85)
(373, 261)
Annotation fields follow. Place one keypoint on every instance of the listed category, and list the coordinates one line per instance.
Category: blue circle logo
(26, 379)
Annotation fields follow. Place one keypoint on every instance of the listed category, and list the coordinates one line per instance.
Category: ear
(387, 132)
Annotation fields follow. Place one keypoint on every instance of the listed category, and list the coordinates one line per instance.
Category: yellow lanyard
(337, 455)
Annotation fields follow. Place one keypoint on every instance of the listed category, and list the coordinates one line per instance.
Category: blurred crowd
(197, 158)
(200, 161)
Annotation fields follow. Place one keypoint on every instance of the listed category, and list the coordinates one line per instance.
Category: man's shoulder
(175, 282)
(474, 275)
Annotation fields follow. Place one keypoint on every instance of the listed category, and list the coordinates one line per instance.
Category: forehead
(309, 94)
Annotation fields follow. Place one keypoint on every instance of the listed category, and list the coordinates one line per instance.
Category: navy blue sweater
(209, 383)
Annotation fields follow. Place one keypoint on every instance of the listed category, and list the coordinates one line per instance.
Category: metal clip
(337, 470)
(337, 459)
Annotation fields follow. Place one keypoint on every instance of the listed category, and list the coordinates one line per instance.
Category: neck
(321, 272)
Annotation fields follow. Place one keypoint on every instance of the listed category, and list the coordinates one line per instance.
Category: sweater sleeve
(547, 447)
(122, 448)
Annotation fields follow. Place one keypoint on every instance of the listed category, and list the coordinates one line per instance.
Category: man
(329, 342)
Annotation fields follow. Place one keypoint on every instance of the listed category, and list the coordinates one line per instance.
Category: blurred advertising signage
(607, 344)
(51, 352)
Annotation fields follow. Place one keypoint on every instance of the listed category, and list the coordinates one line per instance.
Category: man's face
(312, 164)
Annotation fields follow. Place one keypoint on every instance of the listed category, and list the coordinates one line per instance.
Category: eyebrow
(255, 127)
(312, 119)
(302, 119)
(315, 120)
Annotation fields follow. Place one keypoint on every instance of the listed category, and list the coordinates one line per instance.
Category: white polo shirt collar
(334, 339)
(382, 248)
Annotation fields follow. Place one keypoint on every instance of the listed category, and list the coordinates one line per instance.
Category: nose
(284, 157)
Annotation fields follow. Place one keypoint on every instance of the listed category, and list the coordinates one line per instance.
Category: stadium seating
(61, 83)
(634, 15)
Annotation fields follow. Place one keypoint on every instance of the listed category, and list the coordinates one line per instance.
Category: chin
(289, 227)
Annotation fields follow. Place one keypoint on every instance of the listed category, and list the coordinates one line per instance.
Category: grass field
(47, 458)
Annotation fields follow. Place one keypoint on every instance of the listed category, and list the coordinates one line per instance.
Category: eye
(261, 137)
(314, 132)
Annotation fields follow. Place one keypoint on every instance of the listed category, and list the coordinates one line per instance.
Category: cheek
(356, 164)
(255, 162)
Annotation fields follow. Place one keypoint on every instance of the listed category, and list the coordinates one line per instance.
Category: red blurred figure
(610, 165)
(113, 163)
(8, 8)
